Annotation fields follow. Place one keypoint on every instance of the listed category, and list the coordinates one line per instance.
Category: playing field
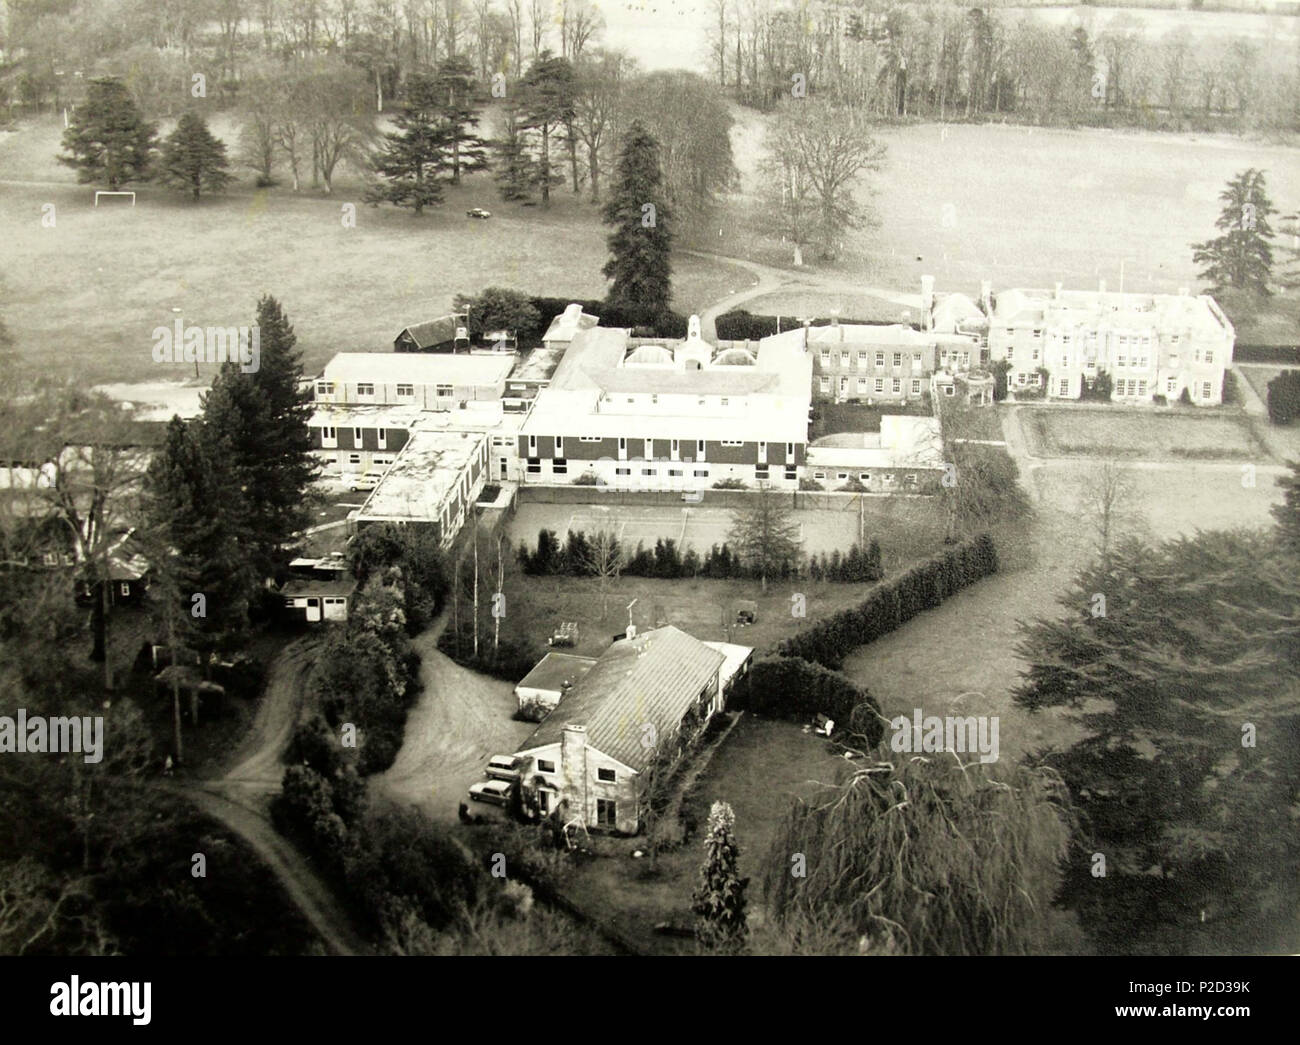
(84, 288)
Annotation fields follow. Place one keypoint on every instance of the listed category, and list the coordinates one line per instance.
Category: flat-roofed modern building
(423, 381)
(433, 481)
(670, 414)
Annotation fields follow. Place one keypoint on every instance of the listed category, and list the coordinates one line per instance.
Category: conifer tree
(640, 264)
(408, 164)
(108, 141)
(264, 415)
(455, 82)
(193, 159)
(514, 167)
(719, 901)
(1241, 258)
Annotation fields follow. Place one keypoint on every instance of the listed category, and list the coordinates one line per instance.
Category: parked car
(478, 212)
(494, 792)
(368, 481)
(503, 767)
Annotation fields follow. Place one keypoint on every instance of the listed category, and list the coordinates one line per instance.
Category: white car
(494, 792)
(478, 212)
(503, 767)
(368, 481)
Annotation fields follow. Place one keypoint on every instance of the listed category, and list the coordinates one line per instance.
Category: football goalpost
(102, 192)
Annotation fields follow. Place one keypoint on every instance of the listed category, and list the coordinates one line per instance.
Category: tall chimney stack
(986, 296)
(573, 769)
(927, 302)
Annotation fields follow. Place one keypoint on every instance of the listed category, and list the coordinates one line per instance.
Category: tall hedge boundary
(792, 688)
(894, 602)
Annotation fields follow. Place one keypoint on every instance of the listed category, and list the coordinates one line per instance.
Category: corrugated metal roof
(652, 678)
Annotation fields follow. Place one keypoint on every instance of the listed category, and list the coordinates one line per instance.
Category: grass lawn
(833, 418)
(1081, 202)
(1142, 435)
(345, 289)
(1259, 375)
(696, 606)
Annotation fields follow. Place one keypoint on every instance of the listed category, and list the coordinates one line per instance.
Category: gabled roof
(431, 332)
(653, 678)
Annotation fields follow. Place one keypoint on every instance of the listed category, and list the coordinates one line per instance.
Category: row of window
(896, 386)
(608, 776)
(329, 437)
(858, 359)
(675, 445)
(1066, 336)
(560, 466)
(366, 389)
(889, 478)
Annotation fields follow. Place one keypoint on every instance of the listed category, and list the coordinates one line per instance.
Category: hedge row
(792, 688)
(740, 325)
(894, 602)
(1288, 355)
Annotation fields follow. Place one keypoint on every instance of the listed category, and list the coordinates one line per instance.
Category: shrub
(793, 688)
(1284, 398)
(730, 484)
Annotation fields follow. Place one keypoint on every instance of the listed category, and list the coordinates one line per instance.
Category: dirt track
(239, 798)
(462, 719)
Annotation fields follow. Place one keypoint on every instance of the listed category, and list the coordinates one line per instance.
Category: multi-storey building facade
(646, 414)
(1058, 342)
(874, 364)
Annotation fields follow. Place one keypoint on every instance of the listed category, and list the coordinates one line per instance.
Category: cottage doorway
(313, 610)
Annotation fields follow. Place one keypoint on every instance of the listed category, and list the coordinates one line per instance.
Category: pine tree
(640, 264)
(1194, 656)
(767, 537)
(455, 81)
(107, 140)
(513, 166)
(719, 901)
(264, 416)
(196, 509)
(193, 158)
(1287, 513)
(548, 103)
(1242, 258)
(407, 165)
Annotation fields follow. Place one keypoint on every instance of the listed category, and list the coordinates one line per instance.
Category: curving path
(769, 279)
(239, 798)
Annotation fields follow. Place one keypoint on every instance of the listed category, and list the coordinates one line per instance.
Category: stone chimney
(693, 328)
(927, 302)
(986, 296)
(573, 768)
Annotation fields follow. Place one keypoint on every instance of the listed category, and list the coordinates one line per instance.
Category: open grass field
(1031, 206)
(1139, 435)
(83, 297)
